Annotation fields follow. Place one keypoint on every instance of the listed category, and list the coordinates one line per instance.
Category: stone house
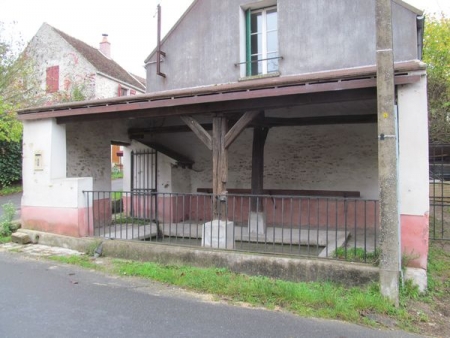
(288, 89)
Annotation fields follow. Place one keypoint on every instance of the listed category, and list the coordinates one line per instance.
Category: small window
(52, 81)
(262, 41)
(122, 91)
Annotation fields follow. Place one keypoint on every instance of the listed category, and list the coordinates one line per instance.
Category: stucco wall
(314, 35)
(48, 49)
(342, 157)
(89, 150)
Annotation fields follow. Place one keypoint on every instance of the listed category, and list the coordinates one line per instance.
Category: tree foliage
(17, 86)
(436, 54)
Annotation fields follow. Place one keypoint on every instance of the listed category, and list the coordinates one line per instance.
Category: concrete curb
(280, 267)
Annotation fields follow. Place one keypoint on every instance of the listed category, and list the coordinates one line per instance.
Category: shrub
(10, 162)
(6, 226)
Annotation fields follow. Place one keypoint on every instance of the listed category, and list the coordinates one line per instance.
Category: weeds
(13, 189)
(358, 255)
(6, 225)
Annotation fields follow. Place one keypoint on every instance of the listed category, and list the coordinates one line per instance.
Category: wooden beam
(317, 120)
(182, 160)
(220, 166)
(198, 130)
(259, 140)
(240, 125)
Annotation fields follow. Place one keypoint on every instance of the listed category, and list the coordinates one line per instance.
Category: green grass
(83, 261)
(323, 300)
(116, 175)
(358, 255)
(13, 189)
(116, 195)
(5, 239)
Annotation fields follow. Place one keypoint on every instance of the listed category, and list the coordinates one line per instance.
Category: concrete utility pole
(387, 154)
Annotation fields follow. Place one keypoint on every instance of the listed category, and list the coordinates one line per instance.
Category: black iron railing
(341, 228)
(440, 191)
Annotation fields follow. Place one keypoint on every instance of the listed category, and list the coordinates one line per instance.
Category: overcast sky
(131, 26)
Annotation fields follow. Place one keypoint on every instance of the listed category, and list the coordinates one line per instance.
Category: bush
(10, 162)
(6, 226)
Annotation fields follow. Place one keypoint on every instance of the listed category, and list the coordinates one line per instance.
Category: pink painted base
(415, 232)
(63, 221)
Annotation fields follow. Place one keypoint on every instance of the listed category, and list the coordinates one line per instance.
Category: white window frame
(264, 34)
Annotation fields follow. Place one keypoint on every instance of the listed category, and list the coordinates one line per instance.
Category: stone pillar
(387, 154)
(50, 201)
(414, 178)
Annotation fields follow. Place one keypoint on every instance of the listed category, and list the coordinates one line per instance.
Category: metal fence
(338, 228)
(440, 191)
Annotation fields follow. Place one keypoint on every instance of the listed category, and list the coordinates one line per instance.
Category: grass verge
(5, 239)
(322, 300)
(13, 189)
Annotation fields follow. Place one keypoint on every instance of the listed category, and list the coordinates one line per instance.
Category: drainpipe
(159, 52)
(420, 32)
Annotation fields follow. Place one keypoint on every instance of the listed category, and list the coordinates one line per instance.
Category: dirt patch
(432, 312)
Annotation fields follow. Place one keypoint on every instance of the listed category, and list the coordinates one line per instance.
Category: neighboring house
(288, 89)
(71, 70)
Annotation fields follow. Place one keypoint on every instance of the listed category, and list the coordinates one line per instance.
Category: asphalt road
(45, 299)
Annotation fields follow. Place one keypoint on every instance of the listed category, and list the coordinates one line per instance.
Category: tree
(17, 90)
(436, 53)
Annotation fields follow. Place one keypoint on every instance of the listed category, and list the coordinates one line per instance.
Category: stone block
(20, 238)
(218, 235)
(257, 223)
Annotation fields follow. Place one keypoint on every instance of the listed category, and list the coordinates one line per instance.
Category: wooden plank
(289, 192)
(198, 130)
(240, 125)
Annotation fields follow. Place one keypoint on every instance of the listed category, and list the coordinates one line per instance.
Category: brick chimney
(105, 46)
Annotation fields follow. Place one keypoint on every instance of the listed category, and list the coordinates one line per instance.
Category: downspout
(159, 52)
(420, 33)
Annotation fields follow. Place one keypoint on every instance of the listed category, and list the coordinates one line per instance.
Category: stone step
(20, 238)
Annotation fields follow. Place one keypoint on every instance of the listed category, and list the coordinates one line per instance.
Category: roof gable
(99, 61)
(194, 2)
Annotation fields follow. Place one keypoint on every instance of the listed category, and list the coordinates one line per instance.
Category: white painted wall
(49, 187)
(413, 148)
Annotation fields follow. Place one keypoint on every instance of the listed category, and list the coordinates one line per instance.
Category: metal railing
(440, 191)
(338, 228)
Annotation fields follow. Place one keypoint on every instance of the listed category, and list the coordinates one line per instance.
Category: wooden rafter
(240, 125)
(198, 130)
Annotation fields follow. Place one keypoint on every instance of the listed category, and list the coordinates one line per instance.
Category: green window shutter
(248, 45)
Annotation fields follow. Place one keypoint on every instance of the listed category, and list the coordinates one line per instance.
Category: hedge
(10, 162)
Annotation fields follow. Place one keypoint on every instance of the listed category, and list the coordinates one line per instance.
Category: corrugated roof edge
(340, 74)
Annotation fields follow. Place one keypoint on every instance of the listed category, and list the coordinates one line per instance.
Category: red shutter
(52, 80)
(132, 92)
(119, 90)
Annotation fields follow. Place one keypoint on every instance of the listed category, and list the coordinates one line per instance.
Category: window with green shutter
(261, 41)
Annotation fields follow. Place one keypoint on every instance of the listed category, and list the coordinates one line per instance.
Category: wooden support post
(259, 140)
(220, 167)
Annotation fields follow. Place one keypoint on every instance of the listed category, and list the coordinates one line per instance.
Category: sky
(131, 26)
